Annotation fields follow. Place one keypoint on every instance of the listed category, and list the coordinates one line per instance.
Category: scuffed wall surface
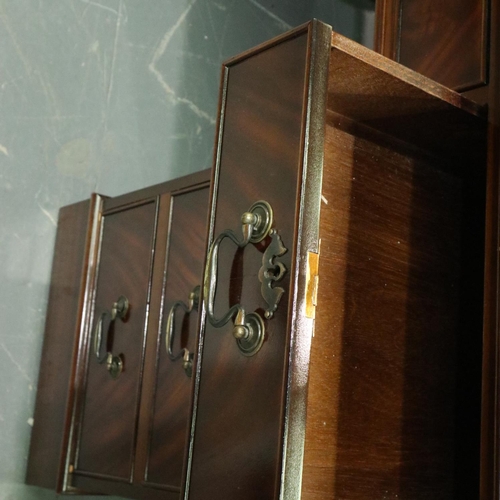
(107, 96)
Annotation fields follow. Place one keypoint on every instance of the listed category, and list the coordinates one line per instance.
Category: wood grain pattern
(108, 429)
(55, 389)
(446, 40)
(239, 426)
(396, 354)
(172, 402)
(188, 222)
(387, 14)
(100, 486)
(382, 381)
(432, 33)
(178, 185)
(381, 94)
(458, 42)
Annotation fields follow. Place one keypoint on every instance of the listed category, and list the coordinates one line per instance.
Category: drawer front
(183, 273)
(110, 406)
(239, 421)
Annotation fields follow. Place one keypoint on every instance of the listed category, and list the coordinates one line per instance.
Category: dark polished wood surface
(182, 213)
(399, 398)
(239, 422)
(384, 384)
(490, 452)
(170, 418)
(374, 91)
(55, 390)
(471, 48)
(104, 486)
(108, 429)
(490, 444)
(397, 353)
(445, 40)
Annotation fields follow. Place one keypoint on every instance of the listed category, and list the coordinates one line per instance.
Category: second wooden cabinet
(127, 406)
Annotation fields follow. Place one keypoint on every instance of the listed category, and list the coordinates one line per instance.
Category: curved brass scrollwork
(248, 328)
(114, 364)
(187, 357)
(270, 272)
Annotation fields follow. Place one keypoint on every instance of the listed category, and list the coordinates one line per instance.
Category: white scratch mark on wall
(12, 35)
(16, 364)
(48, 214)
(4, 150)
(220, 6)
(270, 14)
(115, 47)
(51, 99)
(100, 6)
(160, 50)
(13, 82)
(51, 117)
(31, 421)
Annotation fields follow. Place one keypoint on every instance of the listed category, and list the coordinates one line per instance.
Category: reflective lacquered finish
(326, 408)
(239, 427)
(107, 439)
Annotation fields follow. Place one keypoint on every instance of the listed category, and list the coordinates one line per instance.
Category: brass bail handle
(114, 364)
(187, 357)
(248, 328)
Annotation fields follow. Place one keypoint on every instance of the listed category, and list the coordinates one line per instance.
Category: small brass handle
(187, 364)
(114, 364)
(248, 328)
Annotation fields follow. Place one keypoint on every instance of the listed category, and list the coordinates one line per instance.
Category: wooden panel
(55, 388)
(490, 444)
(385, 342)
(179, 184)
(108, 430)
(396, 353)
(490, 452)
(99, 486)
(238, 434)
(371, 90)
(446, 40)
(394, 422)
(168, 435)
(387, 28)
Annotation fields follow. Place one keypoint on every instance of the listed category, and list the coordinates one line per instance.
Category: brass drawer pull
(248, 328)
(114, 364)
(187, 364)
